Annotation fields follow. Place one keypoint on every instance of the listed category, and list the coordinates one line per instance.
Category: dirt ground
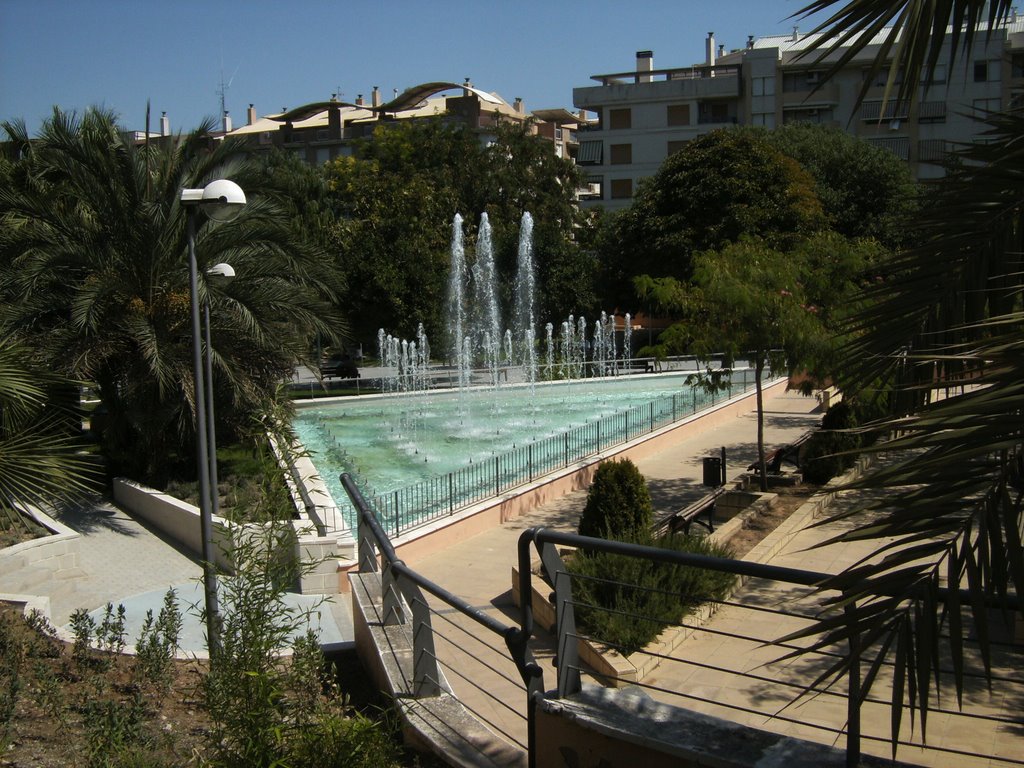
(790, 498)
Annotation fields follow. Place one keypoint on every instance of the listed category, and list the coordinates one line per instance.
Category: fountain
(419, 453)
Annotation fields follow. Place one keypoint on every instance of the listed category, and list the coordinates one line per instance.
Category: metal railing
(444, 495)
(857, 694)
(404, 602)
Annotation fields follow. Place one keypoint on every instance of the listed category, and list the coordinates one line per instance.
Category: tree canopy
(396, 198)
(864, 190)
(94, 270)
(719, 187)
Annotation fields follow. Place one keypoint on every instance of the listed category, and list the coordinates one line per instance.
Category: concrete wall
(44, 559)
(442, 533)
(173, 517)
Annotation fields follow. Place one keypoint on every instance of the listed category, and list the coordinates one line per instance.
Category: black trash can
(712, 471)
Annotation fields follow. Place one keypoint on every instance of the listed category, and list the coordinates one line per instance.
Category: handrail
(546, 542)
(372, 537)
(442, 495)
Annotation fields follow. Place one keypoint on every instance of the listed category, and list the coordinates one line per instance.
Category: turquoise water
(394, 442)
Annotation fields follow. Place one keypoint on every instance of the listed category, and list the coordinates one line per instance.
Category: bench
(789, 453)
(682, 519)
(638, 364)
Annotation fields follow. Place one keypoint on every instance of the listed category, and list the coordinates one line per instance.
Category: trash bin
(713, 471)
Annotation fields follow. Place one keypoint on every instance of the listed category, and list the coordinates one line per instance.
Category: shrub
(627, 601)
(618, 503)
(829, 452)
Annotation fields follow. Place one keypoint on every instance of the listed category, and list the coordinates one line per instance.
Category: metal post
(211, 428)
(203, 459)
(853, 693)
(723, 465)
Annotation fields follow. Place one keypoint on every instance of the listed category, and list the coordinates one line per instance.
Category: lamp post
(223, 273)
(221, 200)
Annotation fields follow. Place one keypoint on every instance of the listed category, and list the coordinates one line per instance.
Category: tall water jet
(627, 339)
(549, 330)
(457, 305)
(523, 309)
(488, 320)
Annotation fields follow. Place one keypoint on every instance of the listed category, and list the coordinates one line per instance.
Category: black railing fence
(443, 495)
(403, 589)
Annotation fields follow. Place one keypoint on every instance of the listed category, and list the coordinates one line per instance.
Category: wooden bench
(682, 519)
(786, 453)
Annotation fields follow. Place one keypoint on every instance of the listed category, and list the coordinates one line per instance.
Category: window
(931, 112)
(590, 153)
(931, 150)
(980, 71)
(678, 114)
(938, 76)
(762, 86)
(622, 189)
(792, 82)
(620, 119)
(809, 115)
(714, 112)
(898, 145)
(982, 107)
(675, 146)
(1017, 65)
(323, 154)
(321, 134)
(872, 110)
(621, 154)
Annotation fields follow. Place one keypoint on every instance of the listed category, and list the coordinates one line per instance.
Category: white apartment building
(646, 114)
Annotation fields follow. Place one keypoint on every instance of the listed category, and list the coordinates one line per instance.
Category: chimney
(468, 84)
(796, 35)
(359, 99)
(250, 115)
(750, 42)
(721, 50)
(517, 105)
(227, 122)
(375, 97)
(644, 66)
(165, 124)
(709, 50)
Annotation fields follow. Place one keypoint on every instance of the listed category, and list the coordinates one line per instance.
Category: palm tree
(94, 270)
(42, 461)
(947, 314)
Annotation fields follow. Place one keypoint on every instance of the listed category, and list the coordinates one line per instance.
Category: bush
(829, 452)
(627, 601)
(618, 503)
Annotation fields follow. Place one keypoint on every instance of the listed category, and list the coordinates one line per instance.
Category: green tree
(93, 270)
(42, 461)
(721, 186)
(618, 503)
(865, 191)
(750, 299)
(945, 314)
(396, 198)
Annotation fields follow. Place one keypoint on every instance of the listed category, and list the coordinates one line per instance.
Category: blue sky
(174, 53)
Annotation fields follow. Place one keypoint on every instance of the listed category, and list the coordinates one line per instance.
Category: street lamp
(220, 200)
(222, 273)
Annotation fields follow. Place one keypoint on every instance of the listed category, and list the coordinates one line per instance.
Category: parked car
(339, 365)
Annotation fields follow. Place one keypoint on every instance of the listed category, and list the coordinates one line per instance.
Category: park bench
(789, 453)
(682, 519)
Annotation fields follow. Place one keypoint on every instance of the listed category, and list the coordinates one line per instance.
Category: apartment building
(645, 114)
(321, 131)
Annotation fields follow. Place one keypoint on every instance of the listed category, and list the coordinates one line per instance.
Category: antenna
(222, 91)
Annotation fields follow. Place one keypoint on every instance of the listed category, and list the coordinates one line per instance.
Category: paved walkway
(479, 570)
(124, 562)
(121, 560)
